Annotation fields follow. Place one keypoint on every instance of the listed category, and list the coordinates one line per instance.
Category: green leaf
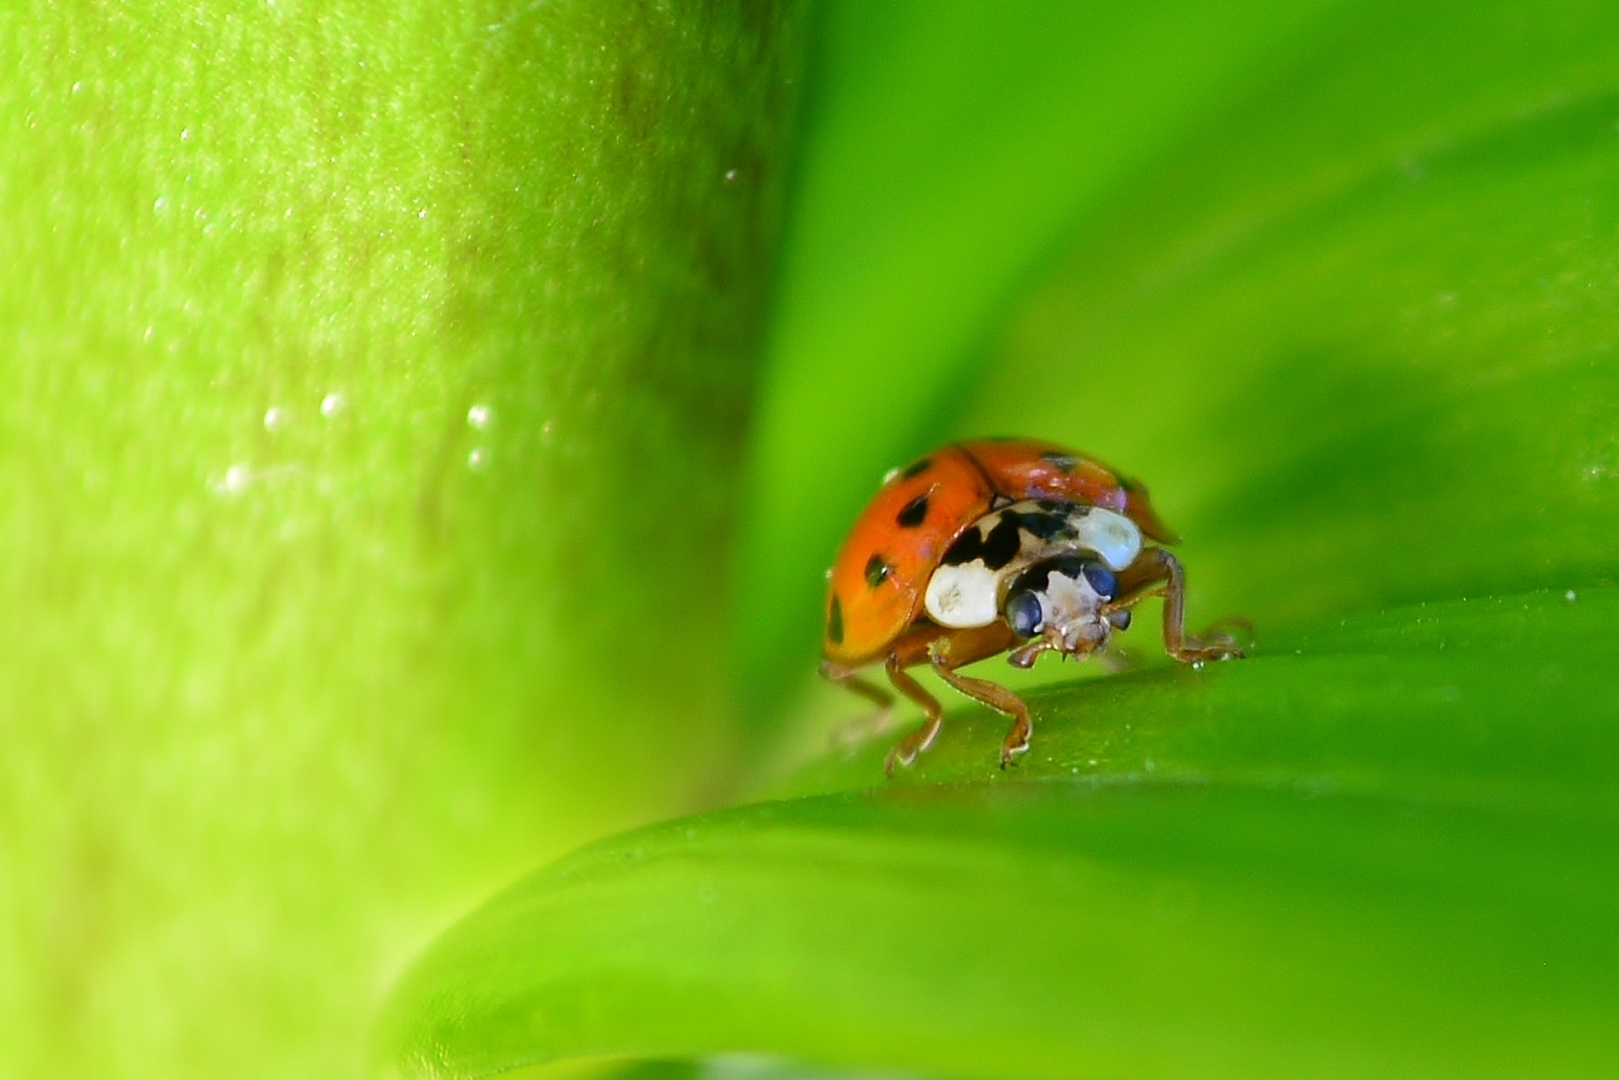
(1337, 284)
(1348, 308)
(368, 372)
(1389, 846)
(1359, 332)
(947, 152)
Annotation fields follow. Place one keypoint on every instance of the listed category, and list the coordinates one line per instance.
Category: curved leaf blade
(1334, 866)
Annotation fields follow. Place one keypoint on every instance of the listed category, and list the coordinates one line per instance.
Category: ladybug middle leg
(945, 651)
(909, 650)
(904, 753)
(1158, 573)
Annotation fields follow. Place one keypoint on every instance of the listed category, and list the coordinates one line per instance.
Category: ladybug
(993, 546)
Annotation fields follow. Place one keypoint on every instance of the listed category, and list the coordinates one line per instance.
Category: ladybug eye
(1023, 614)
(1102, 580)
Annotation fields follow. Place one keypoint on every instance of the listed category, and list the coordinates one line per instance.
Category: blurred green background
(423, 429)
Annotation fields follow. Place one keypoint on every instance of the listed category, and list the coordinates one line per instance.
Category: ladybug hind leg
(860, 730)
(852, 733)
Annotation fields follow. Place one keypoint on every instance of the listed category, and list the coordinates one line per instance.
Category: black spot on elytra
(1063, 462)
(916, 468)
(834, 623)
(877, 571)
(913, 513)
(994, 550)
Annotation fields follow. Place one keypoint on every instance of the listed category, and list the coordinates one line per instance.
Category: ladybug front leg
(1158, 573)
(998, 698)
(966, 646)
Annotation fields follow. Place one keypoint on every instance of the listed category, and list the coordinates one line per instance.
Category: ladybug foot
(912, 745)
(853, 734)
(1016, 741)
(1198, 652)
(1222, 641)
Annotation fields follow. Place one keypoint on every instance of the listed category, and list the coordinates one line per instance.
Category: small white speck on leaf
(235, 480)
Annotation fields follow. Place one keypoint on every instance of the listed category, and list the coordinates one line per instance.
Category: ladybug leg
(928, 644)
(994, 695)
(1158, 573)
(858, 730)
(919, 740)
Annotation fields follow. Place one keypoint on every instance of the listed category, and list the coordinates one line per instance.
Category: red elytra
(954, 487)
(875, 599)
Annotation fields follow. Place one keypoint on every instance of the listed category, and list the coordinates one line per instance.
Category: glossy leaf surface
(1349, 314)
(1386, 846)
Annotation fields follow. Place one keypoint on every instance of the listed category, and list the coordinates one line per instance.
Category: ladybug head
(1056, 606)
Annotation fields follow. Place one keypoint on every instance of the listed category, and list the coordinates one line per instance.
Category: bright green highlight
(1386, 846)
(348, 354)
